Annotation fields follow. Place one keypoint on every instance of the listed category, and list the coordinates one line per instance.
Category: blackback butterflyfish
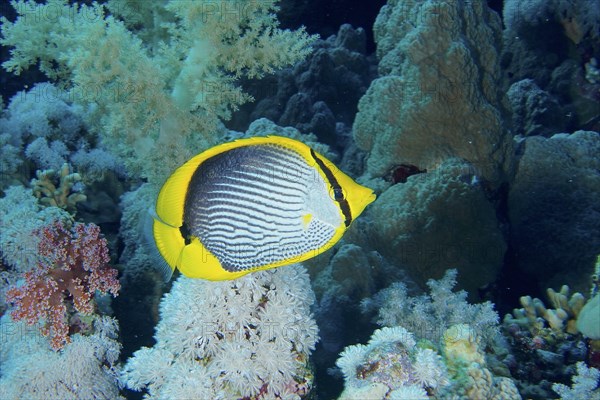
(253, 204)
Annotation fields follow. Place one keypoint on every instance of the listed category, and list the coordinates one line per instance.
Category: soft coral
(73, 266)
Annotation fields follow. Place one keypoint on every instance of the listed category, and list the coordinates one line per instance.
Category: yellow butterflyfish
(250, 205)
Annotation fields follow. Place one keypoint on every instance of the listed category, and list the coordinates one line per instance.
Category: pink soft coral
(73, 266)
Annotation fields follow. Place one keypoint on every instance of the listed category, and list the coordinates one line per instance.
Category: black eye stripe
(337, 189)
(338, 194)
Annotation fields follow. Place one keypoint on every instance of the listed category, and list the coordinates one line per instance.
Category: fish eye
(337, 194)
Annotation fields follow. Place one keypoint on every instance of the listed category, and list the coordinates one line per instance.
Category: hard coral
(73, 266)
(45, 188)
(535, 317)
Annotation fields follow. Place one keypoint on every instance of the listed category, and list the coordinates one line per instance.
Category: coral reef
(437, 220)
(535, 317)
(433, 346)
(481, 142)
(45, 128)
(162, 72)
(429, 316)
(437, 95)
(390, 366)
(341, 279)
(438, 147)
(135, 205)
(151, 81)
(586, 385)
(535, 111)
(350, 275)
(265, 127)
(553, 43)
(394, 366)
(20, 216)
(62, 195)
(247, 338)
(545, 342)
(319, 93)
(44, 131)
(43, 112)
(9, 159)
(37, 134)
(471, 375)
(86, 368)
(73, 266)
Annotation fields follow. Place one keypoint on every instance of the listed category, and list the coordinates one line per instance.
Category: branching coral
(72, 267)
(45, 188)
(535, 317)
(544, 340)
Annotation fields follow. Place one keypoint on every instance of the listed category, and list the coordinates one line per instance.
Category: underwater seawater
(259, 199)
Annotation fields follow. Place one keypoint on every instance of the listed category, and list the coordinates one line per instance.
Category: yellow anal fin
(197, 262)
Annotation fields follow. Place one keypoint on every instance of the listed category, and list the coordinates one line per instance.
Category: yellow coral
(466, 359)
(461, 344)
(483, 385)
(49, 194)
(535, 315)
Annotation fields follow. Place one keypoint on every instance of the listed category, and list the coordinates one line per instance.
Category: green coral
(596, 278)
(588, 321)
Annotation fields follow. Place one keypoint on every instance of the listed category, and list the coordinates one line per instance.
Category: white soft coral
(586, 385)
(243, 337)
(429, 369)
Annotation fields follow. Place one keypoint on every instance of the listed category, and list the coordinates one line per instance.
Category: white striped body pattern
(253, 204)
(250, 205)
